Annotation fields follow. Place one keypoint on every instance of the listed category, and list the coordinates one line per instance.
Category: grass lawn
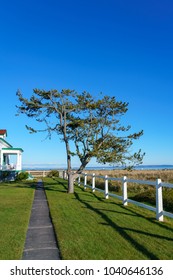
(90, 227)
(15, 206)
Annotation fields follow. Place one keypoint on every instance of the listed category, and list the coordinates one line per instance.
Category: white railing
(8, 167)
(124, 197)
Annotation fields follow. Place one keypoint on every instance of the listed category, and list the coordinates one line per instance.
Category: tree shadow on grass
(24, 185)
(54, 186)
(149, 219)
(134, 213)
(123, 231)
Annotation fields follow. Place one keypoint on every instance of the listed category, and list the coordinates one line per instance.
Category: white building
(6, 151)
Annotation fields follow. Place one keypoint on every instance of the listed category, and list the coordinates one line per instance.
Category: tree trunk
(70, 183)
(71, 178)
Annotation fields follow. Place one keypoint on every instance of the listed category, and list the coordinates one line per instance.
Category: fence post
(85, 180)
(93, 182)
(64, 174)
(159, 200)
(124, 180)
(106, 187)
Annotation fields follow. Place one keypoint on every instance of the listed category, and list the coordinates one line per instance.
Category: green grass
(15, 206)
(90, 227)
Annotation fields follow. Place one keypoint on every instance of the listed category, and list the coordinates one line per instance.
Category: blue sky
(119, 47)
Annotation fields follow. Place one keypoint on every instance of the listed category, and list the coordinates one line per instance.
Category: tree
(92, 124)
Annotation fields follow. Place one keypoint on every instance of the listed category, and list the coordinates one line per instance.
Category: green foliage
(149, 196)
(4, 174)
(22, 176)
(146, 196)
(168, 200)
(53, 173)
(91, 125)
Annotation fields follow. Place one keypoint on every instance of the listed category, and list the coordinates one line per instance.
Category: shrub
(146, 196)
(150, 197)
(168, 200)
(53, 173)
(4, 174)
(22, 176)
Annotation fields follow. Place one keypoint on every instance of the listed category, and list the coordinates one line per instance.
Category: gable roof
(5, 142)
(3, 131)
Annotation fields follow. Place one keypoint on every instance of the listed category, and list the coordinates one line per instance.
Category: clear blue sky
(119, 47)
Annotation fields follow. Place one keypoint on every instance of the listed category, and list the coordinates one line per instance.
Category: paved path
(40, 241)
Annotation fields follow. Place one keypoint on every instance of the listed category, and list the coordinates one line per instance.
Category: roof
(4, 141)
(12, 149)
(3, 131)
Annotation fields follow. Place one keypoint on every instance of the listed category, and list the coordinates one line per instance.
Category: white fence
(158, 185)
(44, 173)
(38, 173)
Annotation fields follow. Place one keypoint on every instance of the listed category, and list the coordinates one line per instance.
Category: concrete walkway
(40, 241)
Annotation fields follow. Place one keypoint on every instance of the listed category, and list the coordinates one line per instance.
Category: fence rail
(160, 213)
(38, 173)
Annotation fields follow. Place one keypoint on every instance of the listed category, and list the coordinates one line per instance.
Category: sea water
(139, 167)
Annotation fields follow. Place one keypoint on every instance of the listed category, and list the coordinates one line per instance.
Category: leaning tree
(91, 124)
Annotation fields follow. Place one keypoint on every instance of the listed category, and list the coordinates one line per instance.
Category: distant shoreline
(140, 167)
